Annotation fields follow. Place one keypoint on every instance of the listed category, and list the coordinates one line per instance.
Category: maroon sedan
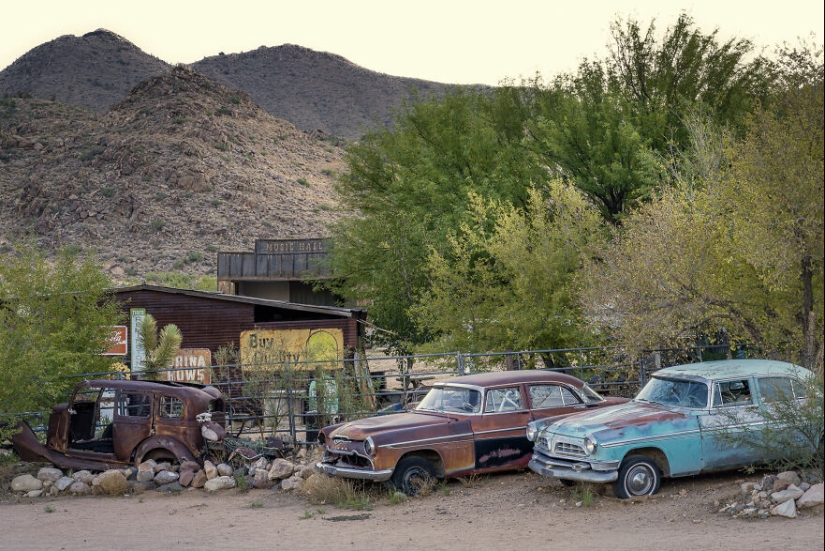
(464, 425)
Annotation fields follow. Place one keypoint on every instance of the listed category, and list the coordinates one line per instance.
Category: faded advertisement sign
(192, 365)
(303, 348)
(118, 341)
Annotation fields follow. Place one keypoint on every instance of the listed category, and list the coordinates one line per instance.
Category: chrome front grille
(566, 448)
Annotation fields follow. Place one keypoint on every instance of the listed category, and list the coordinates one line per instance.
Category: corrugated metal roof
(357, 313)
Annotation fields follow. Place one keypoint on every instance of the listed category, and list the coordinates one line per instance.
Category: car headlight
(322, 438)
(369, 446)
(589, 446)
(531, 432)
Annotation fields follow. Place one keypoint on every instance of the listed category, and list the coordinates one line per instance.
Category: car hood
(370, 426)
(633, 416)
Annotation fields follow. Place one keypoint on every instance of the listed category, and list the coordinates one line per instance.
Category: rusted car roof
(510, 377)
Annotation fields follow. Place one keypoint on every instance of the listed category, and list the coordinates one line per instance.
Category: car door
(499, 433)
(733, 414)
(133, 421)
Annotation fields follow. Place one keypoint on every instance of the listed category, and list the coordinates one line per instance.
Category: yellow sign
(303, 348)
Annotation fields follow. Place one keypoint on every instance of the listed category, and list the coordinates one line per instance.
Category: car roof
(497, 378)
(726, 369)
(169, 388)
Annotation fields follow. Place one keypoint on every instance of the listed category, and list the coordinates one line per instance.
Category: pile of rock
(783, 495)
(151, 475)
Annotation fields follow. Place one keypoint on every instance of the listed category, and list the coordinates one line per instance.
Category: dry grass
(320, 489)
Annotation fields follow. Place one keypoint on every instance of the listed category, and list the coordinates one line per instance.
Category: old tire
(638, 476)
(413, 475)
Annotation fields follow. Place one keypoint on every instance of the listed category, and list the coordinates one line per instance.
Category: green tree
(619, 125)
(410, 186)
(55, 321)
(160, 347)
(512, 285)
(740, 250)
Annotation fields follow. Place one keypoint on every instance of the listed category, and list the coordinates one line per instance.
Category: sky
(448, 41)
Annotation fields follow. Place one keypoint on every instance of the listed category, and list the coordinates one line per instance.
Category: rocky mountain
(181, 168)
(313, 90)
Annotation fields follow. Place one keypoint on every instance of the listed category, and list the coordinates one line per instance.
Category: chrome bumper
(349, 472)
(579, 471)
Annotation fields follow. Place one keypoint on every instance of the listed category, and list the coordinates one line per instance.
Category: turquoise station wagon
(671, 429)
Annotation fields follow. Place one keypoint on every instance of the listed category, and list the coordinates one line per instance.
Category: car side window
(134, 405)
(774, 389)
(732, 393)
(503, 399)
(171, 407)
(545, 396)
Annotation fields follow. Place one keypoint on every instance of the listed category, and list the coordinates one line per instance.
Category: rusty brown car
(464, 425)
(109, 424)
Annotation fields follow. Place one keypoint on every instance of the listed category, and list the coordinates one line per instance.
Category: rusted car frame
(109, 424)
(464, 425)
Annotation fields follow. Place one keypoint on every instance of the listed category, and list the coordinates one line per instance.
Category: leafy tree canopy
(56, 319)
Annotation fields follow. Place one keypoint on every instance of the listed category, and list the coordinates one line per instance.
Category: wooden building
(280, 269)
(260, 329)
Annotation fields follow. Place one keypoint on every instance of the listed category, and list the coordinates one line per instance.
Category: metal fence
(292, 400)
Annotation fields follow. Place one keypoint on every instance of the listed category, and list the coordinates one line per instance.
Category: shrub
(792, 436)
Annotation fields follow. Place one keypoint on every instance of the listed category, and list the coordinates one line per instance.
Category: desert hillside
(181, 168)
(313, 90)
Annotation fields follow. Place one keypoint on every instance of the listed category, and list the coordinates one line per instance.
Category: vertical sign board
(138, 353)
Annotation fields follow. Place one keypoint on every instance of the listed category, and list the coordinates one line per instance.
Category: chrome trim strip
(524, 428)
(361, 474)
(450, 438)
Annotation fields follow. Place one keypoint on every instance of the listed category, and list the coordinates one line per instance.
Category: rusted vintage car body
(108, 424)
(470, 424)
(674, 427)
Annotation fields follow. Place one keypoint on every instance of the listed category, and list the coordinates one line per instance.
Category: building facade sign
(192, 365)
(304, 349)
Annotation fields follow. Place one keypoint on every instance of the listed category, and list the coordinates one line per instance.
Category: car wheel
(638, 476)
(413, 475)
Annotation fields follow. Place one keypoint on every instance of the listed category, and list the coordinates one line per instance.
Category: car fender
(176, 448)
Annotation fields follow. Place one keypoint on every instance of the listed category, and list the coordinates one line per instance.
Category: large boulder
(26, 483)
(812, 497)
(219, 483)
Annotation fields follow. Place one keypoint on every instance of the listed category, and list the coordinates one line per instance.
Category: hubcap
(639, 480)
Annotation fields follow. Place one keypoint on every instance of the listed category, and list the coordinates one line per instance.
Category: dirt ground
(504, 512)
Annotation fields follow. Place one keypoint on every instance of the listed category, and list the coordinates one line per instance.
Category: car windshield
(590, 396)
(674, 392)
(451, 399)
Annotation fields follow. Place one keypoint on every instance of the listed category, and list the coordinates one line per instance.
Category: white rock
(791, 493)
(63, 483)
(49, 474)
(79, 488)
(219, 483)
(224, 469)
(26, 483)
(811, 498)
(84, 476)
(785, 509)
(210, 469)
(281, 468)
(292, 483)
(790, 476)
